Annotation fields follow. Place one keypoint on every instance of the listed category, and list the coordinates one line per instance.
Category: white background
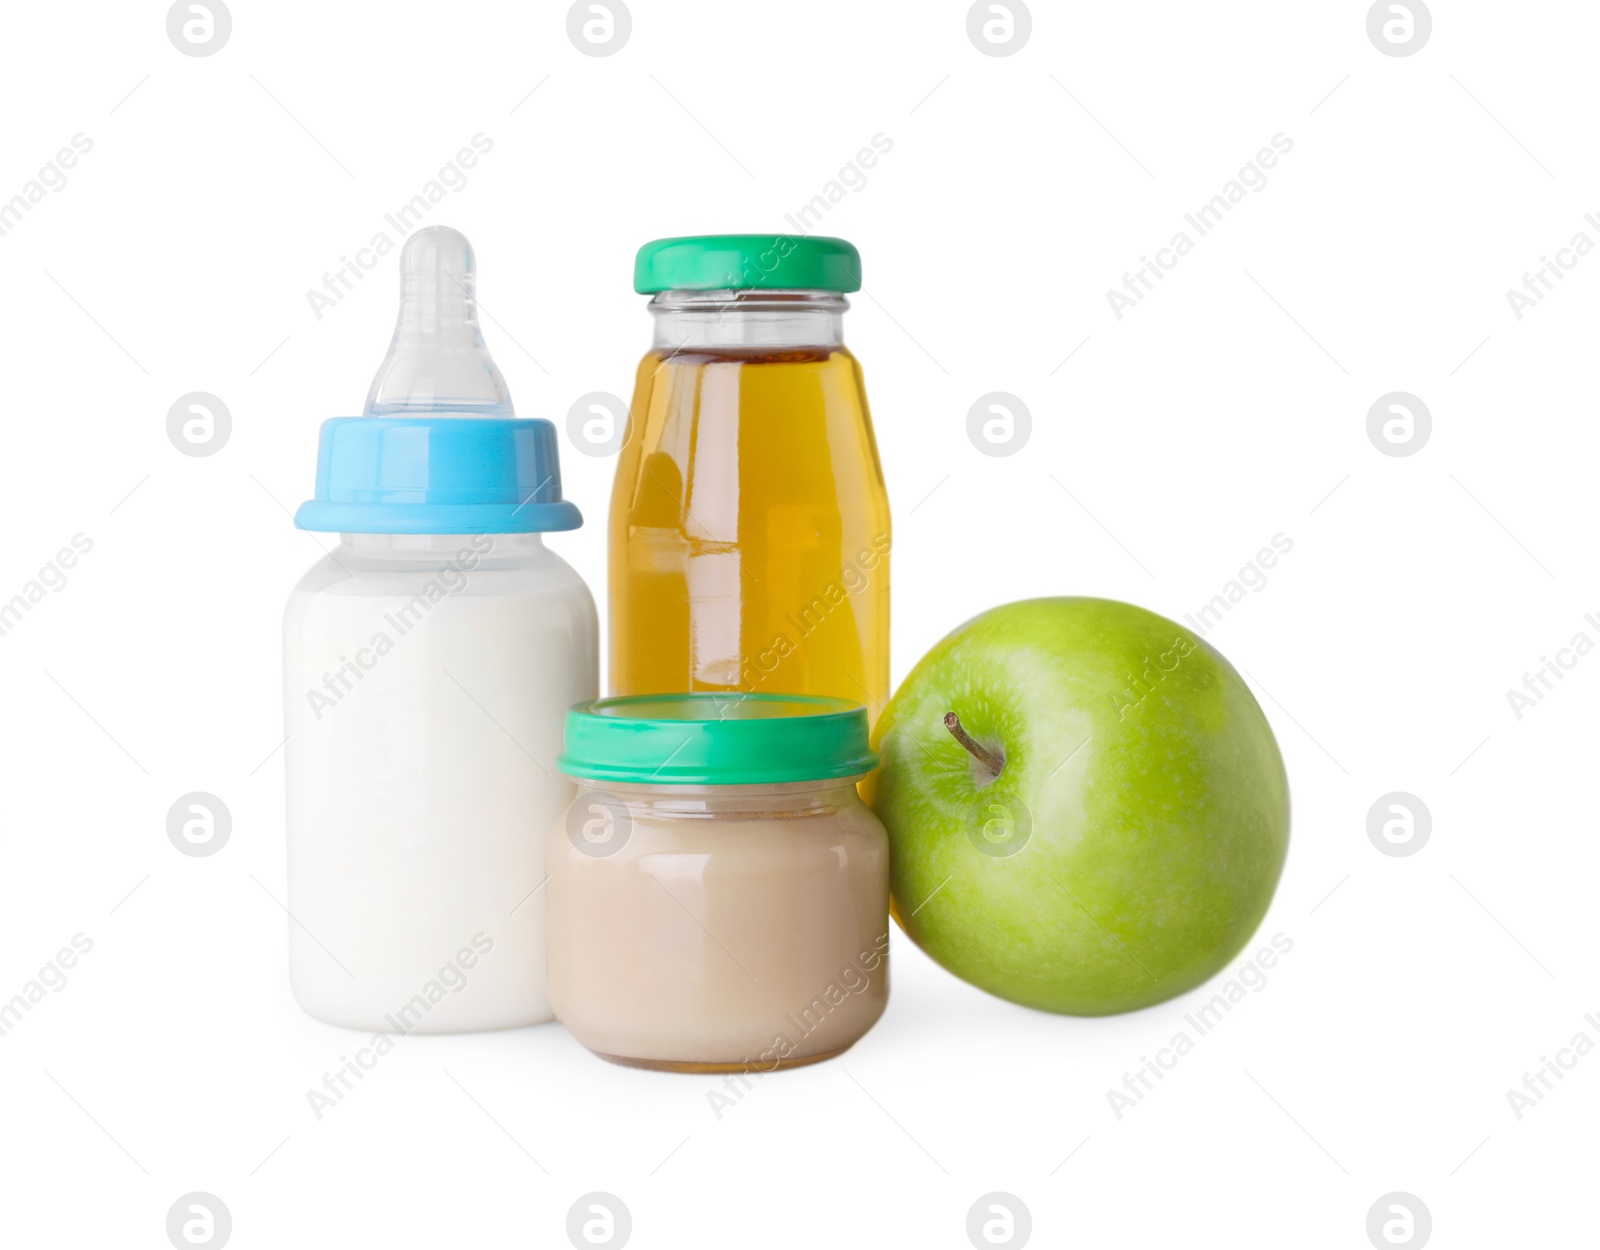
(1230, 405)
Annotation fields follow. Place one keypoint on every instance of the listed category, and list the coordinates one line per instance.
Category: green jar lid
(743, 262)
(727, 739)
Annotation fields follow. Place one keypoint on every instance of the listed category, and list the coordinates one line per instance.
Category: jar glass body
(425, 681)
(718, 928)
(749, 529)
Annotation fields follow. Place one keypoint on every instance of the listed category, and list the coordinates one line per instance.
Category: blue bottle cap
(439, 449)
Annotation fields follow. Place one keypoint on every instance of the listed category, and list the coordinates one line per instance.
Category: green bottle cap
(729, 739)
(744, 262)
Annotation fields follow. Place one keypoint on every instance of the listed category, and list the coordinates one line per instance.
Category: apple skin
(1154, 850)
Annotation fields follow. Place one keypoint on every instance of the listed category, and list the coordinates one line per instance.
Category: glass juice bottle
(749, 521)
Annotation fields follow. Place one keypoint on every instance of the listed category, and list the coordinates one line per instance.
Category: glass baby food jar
(718, 896)
(749, 532)
(428, 662)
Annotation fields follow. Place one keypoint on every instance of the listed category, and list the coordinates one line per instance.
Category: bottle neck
(736, 802)
(433, 548)
(747, 320)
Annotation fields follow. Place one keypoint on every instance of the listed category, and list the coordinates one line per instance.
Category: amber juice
(749, 521)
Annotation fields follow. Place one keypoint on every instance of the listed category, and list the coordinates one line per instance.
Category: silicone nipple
(438, 362)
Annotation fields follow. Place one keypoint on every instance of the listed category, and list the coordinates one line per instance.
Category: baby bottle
(429, 659)
(749, 537)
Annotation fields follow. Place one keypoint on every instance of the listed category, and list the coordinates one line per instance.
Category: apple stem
(987, 758)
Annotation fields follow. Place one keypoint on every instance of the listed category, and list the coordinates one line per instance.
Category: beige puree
(718, 928)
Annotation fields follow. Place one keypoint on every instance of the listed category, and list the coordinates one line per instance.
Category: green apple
(1087, 810)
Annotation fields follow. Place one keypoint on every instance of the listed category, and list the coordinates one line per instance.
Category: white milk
(426, 678)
